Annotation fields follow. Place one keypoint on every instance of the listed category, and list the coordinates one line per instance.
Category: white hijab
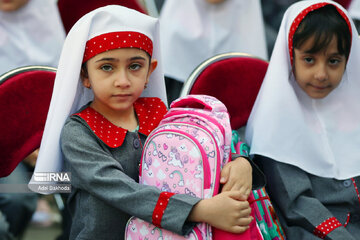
(69, 94)
(354, 9)
(32, 35)
(200, 30)
(322, 137)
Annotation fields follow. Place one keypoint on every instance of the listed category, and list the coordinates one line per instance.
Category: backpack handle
(204, 102)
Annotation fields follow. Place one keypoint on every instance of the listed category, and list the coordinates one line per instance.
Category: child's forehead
(123, 53)
(310, 45)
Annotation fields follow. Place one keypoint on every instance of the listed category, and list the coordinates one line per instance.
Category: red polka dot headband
(302, 15)
(115, 40)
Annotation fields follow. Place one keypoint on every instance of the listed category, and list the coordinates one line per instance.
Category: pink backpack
(185, 154)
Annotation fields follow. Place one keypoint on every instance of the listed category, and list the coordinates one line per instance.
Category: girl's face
(318, 73)
(11, 5)
(117, 78)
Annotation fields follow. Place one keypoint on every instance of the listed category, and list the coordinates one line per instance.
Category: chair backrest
(72, 10)
(233, 78)
(25, 95)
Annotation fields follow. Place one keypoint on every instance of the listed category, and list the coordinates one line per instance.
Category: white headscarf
(200, 30)
(322, 136)
(31, 35)
(69, 94)
(354, 9)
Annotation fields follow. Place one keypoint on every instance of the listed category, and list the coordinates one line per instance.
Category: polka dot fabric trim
(150, 111)
(111, 135)
(356, 189)
(301, 16)
(326, 227)
(160, 207)
(115, 40)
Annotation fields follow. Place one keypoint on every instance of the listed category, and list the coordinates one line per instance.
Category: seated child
(110, 79)
(305, 124)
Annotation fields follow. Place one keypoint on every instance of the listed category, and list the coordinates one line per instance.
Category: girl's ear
(152, 67)
(85, 78)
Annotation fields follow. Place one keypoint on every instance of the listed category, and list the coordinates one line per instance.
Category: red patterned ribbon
(326, 227)
(160, 207)
(115, 40)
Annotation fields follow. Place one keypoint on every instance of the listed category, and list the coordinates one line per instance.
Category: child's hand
(31, 158)
(228, 211)
(237, 176)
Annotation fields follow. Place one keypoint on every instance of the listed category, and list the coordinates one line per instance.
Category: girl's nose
(321, 73)
(121, 80)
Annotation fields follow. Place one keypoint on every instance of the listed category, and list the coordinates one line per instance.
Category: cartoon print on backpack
(181, 181)
(174, 157)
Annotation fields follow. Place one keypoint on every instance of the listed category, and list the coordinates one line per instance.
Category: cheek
(300, 77)
(337, 81)
(338, 75)
(139, 77)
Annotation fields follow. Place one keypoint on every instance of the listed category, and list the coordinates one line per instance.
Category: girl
(305, 125)
(116, 49)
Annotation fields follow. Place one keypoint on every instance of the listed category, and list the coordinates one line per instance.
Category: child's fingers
(238, 229)
(237, 186)
(242, 225)
(228, 186)
(244, 209)
(225, 174)
(244, 222)
(237, 195)
(245, 190)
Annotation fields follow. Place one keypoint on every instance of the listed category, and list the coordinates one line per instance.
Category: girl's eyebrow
(106, 59)
(337, 54)
(115, 59)
(137, 58)
(331, 54)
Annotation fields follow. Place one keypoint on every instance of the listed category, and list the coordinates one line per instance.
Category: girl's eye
(334, 61)
(106, 67)
(135, 66)
(308, 59)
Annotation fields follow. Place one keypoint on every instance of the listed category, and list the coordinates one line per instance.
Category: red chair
(233, 78)
(25, 95)
(344, 3)
(72, 10)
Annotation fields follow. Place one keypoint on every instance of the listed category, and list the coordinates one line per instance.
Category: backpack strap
(204, 102)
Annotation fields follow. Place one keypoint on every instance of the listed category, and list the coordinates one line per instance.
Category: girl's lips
(319, 87)
(121, 95)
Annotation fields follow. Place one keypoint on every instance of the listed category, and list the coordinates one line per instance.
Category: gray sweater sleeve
(291, 191)
(95, 170)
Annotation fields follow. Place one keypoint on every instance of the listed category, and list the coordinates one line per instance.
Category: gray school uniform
(303, 201)
(105, 192)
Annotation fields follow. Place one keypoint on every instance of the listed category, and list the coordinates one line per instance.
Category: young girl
(305, 124)
(115, 51)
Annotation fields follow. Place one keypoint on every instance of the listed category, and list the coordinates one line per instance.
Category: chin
(318, 95)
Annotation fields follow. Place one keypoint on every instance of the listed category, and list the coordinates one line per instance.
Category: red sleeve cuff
(160, 207)
(326, 227)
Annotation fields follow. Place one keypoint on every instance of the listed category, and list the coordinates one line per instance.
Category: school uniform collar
(149, 112)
